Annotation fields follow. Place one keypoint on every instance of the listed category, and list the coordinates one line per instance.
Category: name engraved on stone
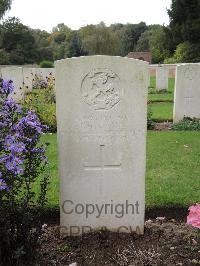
(101, 89)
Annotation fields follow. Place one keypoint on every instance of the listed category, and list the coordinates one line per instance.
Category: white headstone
(101, 114)
(45, 72)
(28, 75)
(187, 92)
(162, 78)
(16, 75)
(149, 79)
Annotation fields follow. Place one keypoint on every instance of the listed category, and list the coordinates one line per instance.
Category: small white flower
(160, 218)
(44, 226)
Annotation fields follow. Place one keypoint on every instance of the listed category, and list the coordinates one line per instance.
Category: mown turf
(161, 111)
(161, 96)
(173, 169)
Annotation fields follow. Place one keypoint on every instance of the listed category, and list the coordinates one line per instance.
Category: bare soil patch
(167, 242)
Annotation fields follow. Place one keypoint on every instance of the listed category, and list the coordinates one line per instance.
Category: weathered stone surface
(16, 75)
(28, 76)
(45, 72)
(162, 78)
(23, 77)
(101, 114)
(187, 92)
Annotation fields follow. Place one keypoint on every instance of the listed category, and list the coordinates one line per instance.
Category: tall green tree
(18, 41)
(4, 6)
(75, 45)
(185, 21)
(59, 41)
(99, 39)
(154, 39)
(44, 52)
(130, 35)
(185, 30)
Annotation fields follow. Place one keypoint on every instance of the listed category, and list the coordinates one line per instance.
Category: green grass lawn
(173, 169)
(163, 96)
(161, 111)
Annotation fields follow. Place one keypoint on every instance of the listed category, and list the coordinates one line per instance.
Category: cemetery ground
(161, 103)
(172, 174)
(172, 185)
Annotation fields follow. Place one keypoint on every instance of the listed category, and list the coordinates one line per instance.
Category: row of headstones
(23, 77)
(101, 115)
(187, 92)
(162, 76)
(187, 89)
(162, 72)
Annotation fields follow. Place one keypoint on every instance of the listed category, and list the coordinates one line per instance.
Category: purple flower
(3, 124)
(30, 121)
(8, 142)
(3, 158)
(10, 104)
(7, 109)
(19, 136)
(5, 118)
(40, 152)
(12, 163)
(40, 83)
(14, 147)
(3, 185)
(6, 87)
(19, 147)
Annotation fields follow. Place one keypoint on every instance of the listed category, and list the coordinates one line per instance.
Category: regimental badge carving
(101, 89)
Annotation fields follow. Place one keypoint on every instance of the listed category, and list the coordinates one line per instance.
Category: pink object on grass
(194, 216)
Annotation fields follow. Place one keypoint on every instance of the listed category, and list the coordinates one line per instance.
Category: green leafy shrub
(187, 124)
(154, 91)
(150, 122)
(4, 58)
(43, 102)
(170, 60)
(46, 64)
(185, 52)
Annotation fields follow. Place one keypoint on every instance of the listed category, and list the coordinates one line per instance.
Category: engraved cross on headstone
(188, 100)
(103, 163)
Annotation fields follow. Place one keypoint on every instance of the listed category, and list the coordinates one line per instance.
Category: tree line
(177, 42)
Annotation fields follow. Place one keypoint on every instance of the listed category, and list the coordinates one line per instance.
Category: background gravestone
(16, 75)
(44, 73)
(28, 76)
(187, 92)
(101, 114)
(162, 78)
